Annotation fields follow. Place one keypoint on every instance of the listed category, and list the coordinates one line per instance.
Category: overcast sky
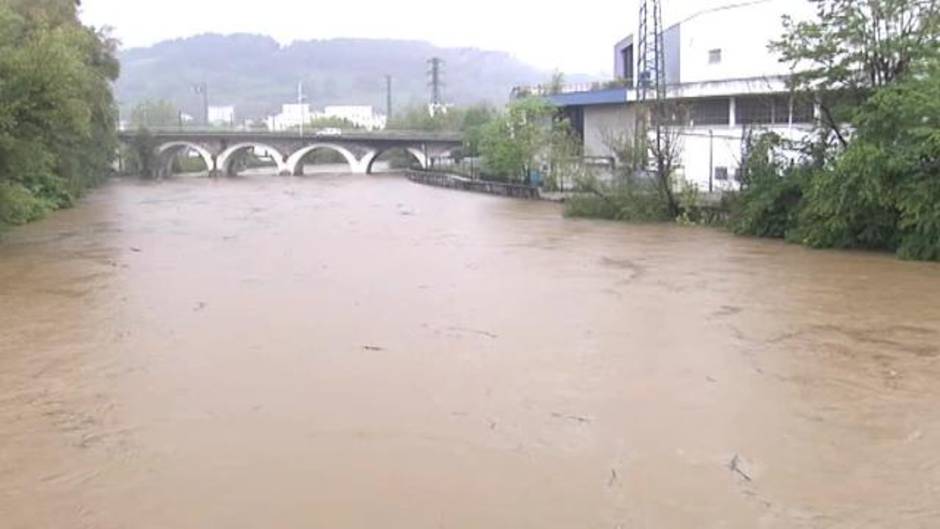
(572, 36)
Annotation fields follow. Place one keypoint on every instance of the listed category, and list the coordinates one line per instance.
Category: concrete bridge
(220, 149)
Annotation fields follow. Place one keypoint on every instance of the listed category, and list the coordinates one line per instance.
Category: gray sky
(575, 37)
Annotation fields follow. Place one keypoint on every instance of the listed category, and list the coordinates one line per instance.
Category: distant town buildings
(293, 114)
(221, 115)
(361, 116)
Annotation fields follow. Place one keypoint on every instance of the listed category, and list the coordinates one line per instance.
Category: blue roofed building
(720, 69)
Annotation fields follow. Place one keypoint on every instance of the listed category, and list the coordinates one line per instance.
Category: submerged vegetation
(57, 113)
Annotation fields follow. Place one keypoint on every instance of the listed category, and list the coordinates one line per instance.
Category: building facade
(292, 115)
(361, 116)
(221, 115)
(721, 73)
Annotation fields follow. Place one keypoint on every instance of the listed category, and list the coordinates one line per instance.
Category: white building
(718, 67)
(359, 115)
(221, 115)
(292, 116)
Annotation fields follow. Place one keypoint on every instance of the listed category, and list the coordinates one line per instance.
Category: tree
(854, 47)
(557, 83)
(883, 192)
(420, 118)
(57, 114)
(475, 120)
(511, 144)
(155, 114)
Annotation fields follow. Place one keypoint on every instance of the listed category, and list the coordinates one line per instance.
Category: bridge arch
(296, 159)
(369, 159)
(167, 151)
(224, 161)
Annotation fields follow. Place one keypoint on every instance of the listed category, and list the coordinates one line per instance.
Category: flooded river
(362, 352)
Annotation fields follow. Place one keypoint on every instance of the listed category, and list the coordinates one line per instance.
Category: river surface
(339, 351)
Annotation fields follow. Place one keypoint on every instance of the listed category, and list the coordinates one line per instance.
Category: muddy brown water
(364, 352)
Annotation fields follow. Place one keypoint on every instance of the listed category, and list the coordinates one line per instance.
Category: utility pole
(436, 82)
(203, 89)
(388, 99)
(711, 161)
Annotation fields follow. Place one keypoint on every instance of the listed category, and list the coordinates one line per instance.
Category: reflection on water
(339, 351)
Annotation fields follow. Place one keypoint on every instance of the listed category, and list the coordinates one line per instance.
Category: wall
(602, 121)
(477, 186)
(618, 56)
(725, 149)
(742, 34)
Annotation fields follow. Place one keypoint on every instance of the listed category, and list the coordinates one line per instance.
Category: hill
(257, 74)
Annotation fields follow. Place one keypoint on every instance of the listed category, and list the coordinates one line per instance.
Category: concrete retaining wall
(477, 186)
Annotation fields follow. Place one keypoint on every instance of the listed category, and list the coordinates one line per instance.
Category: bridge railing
(308, 134)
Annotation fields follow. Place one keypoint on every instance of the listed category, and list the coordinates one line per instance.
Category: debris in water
(613, 478)
(577, 418)
(136, 250)
(735, 466)
(372, 348)
(474, 331)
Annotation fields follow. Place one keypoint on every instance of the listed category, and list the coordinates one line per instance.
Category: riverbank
(476, 186)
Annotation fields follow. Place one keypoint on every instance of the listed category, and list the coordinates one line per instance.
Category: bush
(19, 206)
(633, 202)
(771, 193)
(883, 191)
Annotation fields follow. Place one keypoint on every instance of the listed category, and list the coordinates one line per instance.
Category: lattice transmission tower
(436, 81)
(651, 86)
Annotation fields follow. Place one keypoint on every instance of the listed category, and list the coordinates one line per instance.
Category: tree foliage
(854, 47)
(874, 67)
(883, 192)
(527, 134)
(149, 114)
(57, 114)
(771, 190)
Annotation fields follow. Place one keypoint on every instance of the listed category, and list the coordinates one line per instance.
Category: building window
(804, 110)
(712, 111)
(627, 57)
(755, 110)
(721, 173)
(773, 110)
(714, 56)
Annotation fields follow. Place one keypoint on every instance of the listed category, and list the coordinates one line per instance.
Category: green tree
(512, 145)
(57, 115)
(883, 192)
(475, 120)
(854, 47)
(419, 118)
(155, 114)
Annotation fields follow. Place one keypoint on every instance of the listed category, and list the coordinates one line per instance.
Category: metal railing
(570, 88)
(320, 134)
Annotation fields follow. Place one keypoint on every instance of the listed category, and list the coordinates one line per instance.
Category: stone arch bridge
(220, 149)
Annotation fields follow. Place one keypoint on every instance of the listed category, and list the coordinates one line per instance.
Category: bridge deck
(345, 136)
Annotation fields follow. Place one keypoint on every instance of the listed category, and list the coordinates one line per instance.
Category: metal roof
(597, 97)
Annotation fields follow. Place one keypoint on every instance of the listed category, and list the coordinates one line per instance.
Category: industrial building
(719, 68)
